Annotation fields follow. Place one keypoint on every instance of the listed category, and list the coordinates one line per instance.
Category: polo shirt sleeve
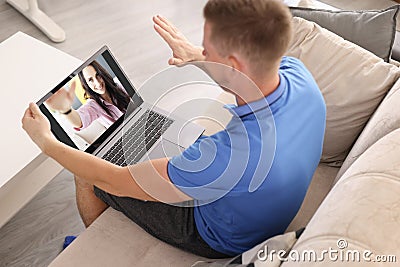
(197, 171)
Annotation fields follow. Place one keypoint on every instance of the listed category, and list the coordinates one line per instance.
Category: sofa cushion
(353, 82)
(361, 210)
(372, 30)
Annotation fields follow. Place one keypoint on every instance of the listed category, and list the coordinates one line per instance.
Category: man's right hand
(182, 50)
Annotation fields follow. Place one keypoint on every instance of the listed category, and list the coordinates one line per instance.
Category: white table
(29, 69)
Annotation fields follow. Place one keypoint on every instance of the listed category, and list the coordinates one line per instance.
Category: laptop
(125, 135)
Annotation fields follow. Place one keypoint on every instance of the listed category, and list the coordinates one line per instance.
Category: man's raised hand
(182, 50)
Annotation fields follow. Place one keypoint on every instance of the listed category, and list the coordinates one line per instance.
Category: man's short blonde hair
(260, 30)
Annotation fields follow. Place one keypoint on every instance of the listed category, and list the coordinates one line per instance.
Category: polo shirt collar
(257, 105)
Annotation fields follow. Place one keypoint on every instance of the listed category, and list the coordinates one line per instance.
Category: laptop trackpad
(165, 149)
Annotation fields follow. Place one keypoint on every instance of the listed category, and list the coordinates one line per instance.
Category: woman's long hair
(119, 98)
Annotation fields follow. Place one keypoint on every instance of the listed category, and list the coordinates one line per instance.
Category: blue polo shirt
(249, 180)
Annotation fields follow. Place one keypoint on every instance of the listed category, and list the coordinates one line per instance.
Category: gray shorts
(171, 224)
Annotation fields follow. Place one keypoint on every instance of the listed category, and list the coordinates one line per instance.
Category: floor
(35, 235)
(124, 25)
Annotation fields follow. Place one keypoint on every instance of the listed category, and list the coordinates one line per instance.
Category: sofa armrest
(362, 208)
(385, 119)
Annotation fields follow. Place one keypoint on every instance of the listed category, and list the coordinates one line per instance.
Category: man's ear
(235, 63)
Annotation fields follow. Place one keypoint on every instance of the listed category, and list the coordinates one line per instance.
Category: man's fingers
(175, 61)
(27, 114)
(164, 34)
(168, 23)
(157, 21)
(166, 26)
(171, 61)
(34, 110)
(160, 22)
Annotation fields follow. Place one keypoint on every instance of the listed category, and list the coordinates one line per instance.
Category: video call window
(88, 104)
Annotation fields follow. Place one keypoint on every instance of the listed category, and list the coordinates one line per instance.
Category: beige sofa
(355, 192)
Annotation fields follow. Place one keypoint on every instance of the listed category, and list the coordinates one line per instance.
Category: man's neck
(266, 87)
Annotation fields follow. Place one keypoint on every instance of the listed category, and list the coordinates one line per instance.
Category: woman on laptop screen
(105, 98)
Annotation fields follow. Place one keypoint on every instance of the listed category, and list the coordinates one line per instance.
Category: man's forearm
(145, 181)
(94, 170)
(111, 178)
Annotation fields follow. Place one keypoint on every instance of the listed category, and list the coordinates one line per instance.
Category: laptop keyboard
(138, 139)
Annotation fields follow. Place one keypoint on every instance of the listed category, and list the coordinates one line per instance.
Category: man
(258, 169)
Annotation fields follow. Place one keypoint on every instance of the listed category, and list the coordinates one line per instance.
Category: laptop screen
(91, 103)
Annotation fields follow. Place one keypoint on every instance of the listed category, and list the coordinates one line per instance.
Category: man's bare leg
(90, 207)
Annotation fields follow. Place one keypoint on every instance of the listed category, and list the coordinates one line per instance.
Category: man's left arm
(146, 181)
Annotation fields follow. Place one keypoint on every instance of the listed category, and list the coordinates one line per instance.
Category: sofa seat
(114, 240)
(320, 186)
